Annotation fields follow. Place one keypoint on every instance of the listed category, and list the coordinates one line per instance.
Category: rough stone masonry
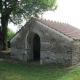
(48, 42)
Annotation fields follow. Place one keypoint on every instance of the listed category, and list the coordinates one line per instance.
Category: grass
(14, 71)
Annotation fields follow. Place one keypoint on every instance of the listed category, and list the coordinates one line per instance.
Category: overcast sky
(68, 11)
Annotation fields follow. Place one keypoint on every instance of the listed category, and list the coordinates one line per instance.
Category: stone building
(47, 42)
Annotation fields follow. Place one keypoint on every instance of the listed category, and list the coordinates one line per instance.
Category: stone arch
(33, 47)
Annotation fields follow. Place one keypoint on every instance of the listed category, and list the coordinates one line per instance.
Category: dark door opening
(36, 47)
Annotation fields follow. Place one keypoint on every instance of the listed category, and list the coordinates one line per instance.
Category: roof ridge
(50, 20)
(54, 21)
(64, 28)
(67, 29)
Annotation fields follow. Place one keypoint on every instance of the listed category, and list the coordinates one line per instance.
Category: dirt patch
(1, 79)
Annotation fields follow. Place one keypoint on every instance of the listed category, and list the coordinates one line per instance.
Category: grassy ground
(14, 71)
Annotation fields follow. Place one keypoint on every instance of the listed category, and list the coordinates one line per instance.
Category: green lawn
(14, 71)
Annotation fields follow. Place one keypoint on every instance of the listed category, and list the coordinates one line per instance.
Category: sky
(68, 11)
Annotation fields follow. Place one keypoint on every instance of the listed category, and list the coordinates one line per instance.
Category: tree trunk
(4, 23)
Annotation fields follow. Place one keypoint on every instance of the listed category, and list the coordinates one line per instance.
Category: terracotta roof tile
(63, 28)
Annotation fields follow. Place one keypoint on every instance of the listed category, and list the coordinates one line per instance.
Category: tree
(15, 10)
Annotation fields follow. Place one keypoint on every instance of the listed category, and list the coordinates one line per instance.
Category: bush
(10, 34)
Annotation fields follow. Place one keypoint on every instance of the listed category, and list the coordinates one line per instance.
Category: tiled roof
(63, 28)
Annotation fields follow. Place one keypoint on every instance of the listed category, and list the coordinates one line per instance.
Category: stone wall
(55, 47)
(18, 44)
(76, 52)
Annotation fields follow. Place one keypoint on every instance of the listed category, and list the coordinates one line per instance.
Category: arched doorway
(36, 47)
(33, 47)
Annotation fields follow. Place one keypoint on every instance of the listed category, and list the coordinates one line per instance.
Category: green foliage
(19, 9)
(13, 71)
(10, 34)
